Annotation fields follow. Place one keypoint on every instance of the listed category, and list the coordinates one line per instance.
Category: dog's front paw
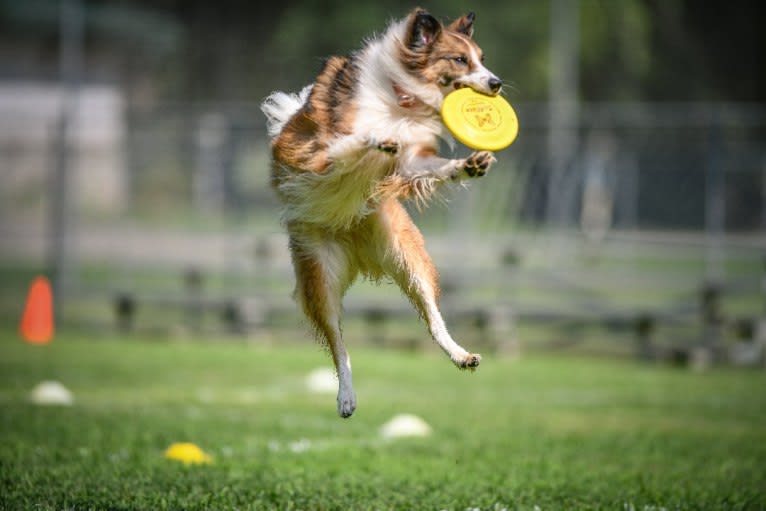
(468, 361)
(478, 164)
(388, 146)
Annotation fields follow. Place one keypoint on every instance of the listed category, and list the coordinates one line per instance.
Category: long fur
(348, 147)
(280, 106)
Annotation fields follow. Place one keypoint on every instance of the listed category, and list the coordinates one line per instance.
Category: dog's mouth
(481, 90)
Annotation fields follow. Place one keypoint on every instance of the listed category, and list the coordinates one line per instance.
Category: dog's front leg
(350, 146)
(420, 172)
(426, 164)
(422, 163)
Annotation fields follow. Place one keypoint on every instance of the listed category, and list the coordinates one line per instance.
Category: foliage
(235, 50)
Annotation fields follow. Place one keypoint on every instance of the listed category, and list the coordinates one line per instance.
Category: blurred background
(628, 219)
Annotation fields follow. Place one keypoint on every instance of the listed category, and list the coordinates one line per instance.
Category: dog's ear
(423, 30)
(464, 24)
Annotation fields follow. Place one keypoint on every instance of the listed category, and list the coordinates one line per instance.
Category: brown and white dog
(348, 147)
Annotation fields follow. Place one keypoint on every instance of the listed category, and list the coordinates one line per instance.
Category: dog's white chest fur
(380, 113)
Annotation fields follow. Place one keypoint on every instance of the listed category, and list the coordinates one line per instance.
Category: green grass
(539, 432)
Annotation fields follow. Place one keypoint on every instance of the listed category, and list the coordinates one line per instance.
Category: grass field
(540, 432)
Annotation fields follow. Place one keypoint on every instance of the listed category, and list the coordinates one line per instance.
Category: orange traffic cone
(37, 321)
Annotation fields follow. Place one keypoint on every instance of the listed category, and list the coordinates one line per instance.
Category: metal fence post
(70, 61)
(715, 204)
(564, 110)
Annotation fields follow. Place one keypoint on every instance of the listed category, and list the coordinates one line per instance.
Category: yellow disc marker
(486, 123)
(187, 452)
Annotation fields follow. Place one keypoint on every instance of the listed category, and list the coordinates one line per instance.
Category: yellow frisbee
(482, 122)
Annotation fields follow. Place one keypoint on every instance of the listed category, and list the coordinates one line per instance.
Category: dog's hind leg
(402, 255)
(323, 273)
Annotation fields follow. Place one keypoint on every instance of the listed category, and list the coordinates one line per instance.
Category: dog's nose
(495, 84)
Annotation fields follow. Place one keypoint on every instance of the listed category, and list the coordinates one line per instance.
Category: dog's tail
(280, 106)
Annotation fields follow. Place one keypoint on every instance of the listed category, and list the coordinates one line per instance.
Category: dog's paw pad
(478, 163)
(470, 361)
(388, 146)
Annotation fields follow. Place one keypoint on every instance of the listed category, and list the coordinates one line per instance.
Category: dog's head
(446, 57)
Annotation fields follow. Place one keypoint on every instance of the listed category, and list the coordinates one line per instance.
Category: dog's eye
(460, 60)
